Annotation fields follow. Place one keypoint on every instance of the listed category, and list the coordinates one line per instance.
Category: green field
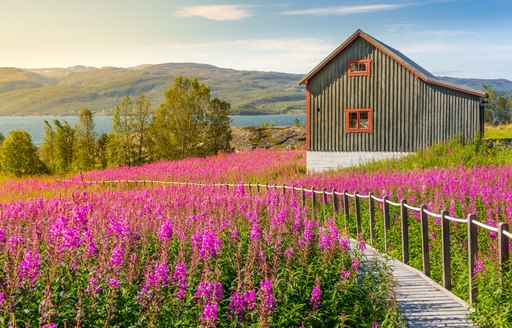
(498, 132)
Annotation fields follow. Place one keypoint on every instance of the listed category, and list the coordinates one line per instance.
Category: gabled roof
(402, 59)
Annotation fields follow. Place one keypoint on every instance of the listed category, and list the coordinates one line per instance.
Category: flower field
(153, 255)
(182, 256)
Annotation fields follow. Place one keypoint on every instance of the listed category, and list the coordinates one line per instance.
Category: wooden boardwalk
(423, 302)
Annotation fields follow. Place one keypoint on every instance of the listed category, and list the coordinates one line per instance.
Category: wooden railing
(502, 230)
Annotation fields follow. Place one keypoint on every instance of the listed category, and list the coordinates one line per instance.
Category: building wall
(407, 112)
(321, 161)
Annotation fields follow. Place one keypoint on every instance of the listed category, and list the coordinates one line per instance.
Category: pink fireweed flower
(29, 267)
(209, 315)
(51, 325)
(117, 258)
(3, 238)
(14, 241)
(114, 283)
(235, 235)
(433, 235)
(255, 232)
(93, 287)
(267, 297)
(344, 244)
(250, 299)
(166, 231)
(356, 265)
(375, 324)
(210, 245)
(179, 278)
(344, 274)
(316, 294)
(208, 291)
(362, 245)
(288, 253)
(479, 267)
(237, 304)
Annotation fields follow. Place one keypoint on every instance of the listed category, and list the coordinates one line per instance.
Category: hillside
(63, 91)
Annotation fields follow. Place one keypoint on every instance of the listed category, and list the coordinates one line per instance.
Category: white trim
(323, 160)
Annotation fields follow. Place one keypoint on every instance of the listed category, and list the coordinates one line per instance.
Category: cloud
(344, 10)
(216, 12)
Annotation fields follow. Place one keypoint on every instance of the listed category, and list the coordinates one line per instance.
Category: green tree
(128, 141)
(189, 123)
(218, 132)
(18, 155)
(63, 147)
(142, 120)
(48, 147)
(498, 109)
(2, 138)
(85, 147)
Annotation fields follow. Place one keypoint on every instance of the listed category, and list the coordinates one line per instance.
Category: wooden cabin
(368, 101)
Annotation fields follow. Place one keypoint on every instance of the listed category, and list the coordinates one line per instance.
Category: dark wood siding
(408, 113)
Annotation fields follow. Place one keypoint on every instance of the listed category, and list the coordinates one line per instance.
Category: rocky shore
(277, 137)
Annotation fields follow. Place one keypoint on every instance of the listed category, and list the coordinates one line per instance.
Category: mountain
(63, 91)
(498, 84)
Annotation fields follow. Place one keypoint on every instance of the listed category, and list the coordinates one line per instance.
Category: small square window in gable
(360, 67)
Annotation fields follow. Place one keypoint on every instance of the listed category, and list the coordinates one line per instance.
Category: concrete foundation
(321, 161)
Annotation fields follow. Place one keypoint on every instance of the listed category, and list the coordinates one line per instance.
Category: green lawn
(498, 132)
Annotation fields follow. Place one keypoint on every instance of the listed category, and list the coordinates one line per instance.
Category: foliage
(18, 155)
(85, 146)
(452, 153)
(494, 306)
(128, 141)
(48, 147)
(190, 123)
(499, 107)
(63, 147)
(503, 131)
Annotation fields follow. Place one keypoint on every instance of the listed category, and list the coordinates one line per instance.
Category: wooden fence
(502, 230)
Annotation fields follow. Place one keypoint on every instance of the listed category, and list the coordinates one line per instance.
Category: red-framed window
(358, 120)
(359, 67)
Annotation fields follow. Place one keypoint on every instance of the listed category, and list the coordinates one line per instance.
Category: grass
(498, 132)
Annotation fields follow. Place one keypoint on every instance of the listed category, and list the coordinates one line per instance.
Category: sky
(459, 38)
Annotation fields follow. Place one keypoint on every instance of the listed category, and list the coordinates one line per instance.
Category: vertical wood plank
(503, 246)
(359, 231)
(472, 250)
(372, 217)
(386, 221)
(335, 204)
(424, 241)
(405, 231)
(445, 238)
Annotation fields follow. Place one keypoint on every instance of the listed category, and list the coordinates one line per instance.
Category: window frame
(359, 73)
(368, 129)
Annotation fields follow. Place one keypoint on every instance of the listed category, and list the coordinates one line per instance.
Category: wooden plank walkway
(423, 302)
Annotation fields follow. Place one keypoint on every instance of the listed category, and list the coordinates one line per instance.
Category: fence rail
(503, 234)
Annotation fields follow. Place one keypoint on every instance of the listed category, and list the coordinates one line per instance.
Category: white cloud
(344, 10)
(216, 12)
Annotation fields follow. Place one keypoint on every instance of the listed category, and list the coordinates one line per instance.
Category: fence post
(404, 214)
(359, 231)
(303, 193)
(313, 197)
(249, 190)
(227, 186)
(472, 255)
(335, 204)
(503, 246)
(424, 241)
(345, 209)
(293, 190)
(266, 188)
(372, 217)
(445, 238)
(258, 187)
(275, 188)
(284, 189)
(386, 222)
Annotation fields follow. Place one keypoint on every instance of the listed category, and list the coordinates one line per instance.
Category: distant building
(367, 101)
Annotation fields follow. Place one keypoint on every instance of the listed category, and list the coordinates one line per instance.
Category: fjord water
(34, 125)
